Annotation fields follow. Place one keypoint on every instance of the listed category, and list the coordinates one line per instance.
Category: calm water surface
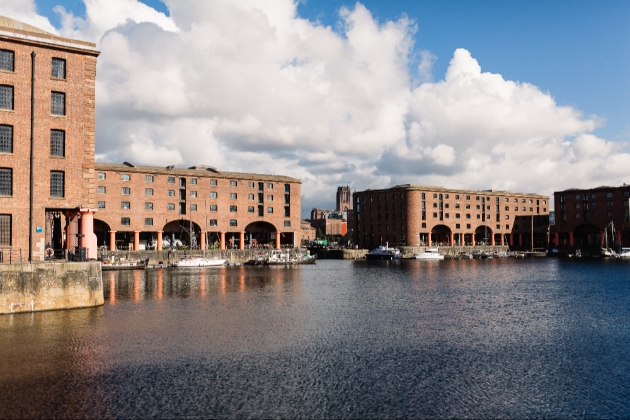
(341, 339)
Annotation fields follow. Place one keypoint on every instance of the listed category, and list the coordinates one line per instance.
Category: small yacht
(625, 253)
(384, 253)
(429, 254)
(200, 262)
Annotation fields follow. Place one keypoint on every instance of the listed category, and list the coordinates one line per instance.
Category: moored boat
(429, 254)
(115, 263)
(200, 262)
(384, 253)
(625, 253)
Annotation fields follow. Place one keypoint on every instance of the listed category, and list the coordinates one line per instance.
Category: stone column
(202, 240)
(136, 240)
(112, 240)
(492, 239)
(88, 240)
(222, 239)
(619, 237)
(520, 239)
(241, 240)
(601, 237)
(556, 237)
(277, 240)
(452, 239)
(66, 244)
(502, 239)
(472, 236)
(429, 239)
(159, 241)
(571, 238)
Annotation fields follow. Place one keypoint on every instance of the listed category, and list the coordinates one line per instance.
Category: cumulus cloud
(249, 85)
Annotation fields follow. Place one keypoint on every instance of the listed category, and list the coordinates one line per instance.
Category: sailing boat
(608, 252)
(625, 252)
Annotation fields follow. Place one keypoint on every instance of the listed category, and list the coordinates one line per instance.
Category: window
(148, 221)
(213, 182)
(148, 206)
(593, 205)
(58, 103)
(250, 196)
(148, 191)
(213, 194)
(260, 197)
(193, 194)
(213, 222)
(434, 215)
(101, 190)
(507, 217)
(6, 138)
(577, 215)
(269, 186)
(610, 214)
(6, 181)
(516, 200)
(260, 210)
(6, 97)
(57, 186)
(424, 225)
(125, 221)
(171, 193)
(171, 206)
(287, 189)
(7, 59)
(594, 215)
(233, 209)
(125, 177)
(193, 181)
(233, 196)
(457, 215)
(269, 197)
(608, 195)
(100, 204)
(250, 185)
(287, 211)
(125, 205)
(58, 68)
(213, 207)
(287, 223)
(269, 209)
(609, 204)
(468, 206)
(170, 179)
(233, 183)
(232, 222)
(468, 216)
(101, 175)
(524, 201)
(524, 209)
(182, 182)
(193, 207)
(148, 178)
(515, 208)
(125, 191)
(577, 206)
(250, 209)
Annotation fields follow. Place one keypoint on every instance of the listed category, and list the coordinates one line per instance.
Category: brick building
(416, 215)
(62, 128)
(582, 215)
(146, 206)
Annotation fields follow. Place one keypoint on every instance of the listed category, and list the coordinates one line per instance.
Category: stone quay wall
(30, 287)
(406, 251)
(173, 256)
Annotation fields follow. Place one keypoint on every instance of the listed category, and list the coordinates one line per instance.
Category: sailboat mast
(532, 233)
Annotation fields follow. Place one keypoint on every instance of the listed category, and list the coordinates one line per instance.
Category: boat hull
(428, 256)
(383, 257)
(200, 263)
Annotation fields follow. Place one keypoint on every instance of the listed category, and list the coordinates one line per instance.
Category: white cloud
(25, 11)
(247, 85)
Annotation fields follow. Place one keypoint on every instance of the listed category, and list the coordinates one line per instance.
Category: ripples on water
(489, 338)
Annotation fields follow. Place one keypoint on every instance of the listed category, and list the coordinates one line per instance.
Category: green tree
(319, 234)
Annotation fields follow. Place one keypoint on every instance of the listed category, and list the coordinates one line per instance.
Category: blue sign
(38, 229)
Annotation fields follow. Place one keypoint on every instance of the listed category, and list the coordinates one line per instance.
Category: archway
(101, 230)
(587, 234)
(441, 235)
(483, 235)
(260, 234)
(181, 232)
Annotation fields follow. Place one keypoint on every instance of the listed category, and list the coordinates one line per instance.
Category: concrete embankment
(406, 251)
(30, 287)
(172, 256)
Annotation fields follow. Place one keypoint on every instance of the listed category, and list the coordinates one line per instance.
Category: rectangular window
(233, 196)
(193, 194)
(250, 197)
(260, 197)
(58, 103)
(269, 209)
(270, 186)
(250, 185)
(287, 188)
(213, 207)
(213, 182)
(250, 209)
(125, 191)
(125, 205)
(232, 222)
(57, 186)
(171, 193)
(287, 211)
(148, 221)
(457, 226)
(148, 178)
(148, 191)
(125, 221)
(261, 210)
(6, 138)
(148, 206)
(101, 190)
(170, 179)
(213, 194)
(193, 207)
(7, 60)
(182, 182)
(269, 197)
(213, 222)
(233, 209)
(100, 204)
(233, 183)
(193, 181)
(125, 177)
(101, 175)
(6, 97)
(287, 223)
(58, 68)
(261, 186)
(608, 195)
(57, 143)
(171, 206)
(5, 230)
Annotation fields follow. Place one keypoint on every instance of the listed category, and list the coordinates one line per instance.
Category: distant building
(309, 233)
(344, 199)
(582, 215)
(416, 215)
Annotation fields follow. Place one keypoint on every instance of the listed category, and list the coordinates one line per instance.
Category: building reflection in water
(112, 286)
(160, 281)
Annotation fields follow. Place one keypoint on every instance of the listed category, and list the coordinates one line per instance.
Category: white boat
(200, 262)
(429, 254)
(115, 263)
(384, 253)
(465, 256)
(625, 253)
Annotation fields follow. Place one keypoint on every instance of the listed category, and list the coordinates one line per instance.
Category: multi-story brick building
(141, 206)
(47, 95)
(416, 215)
(582, 215)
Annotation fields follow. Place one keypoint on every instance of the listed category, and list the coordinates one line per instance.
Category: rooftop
(434, 188)
(16, 29)
(601, 187)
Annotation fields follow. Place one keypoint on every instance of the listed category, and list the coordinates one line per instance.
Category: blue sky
(578, 51)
